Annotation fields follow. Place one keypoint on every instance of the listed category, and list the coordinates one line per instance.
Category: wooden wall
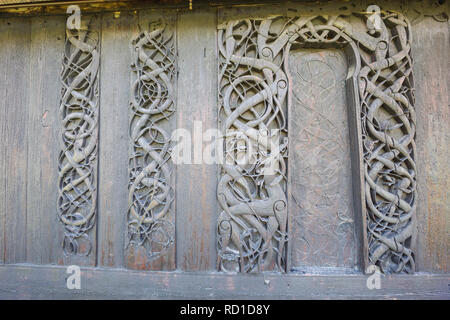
(30, 62)
(30, 65)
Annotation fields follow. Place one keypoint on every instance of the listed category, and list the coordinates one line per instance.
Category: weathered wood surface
(19, 7)
(43, 233)
(431, 49)
(3, 145)
(113, 138)
(39, 282)
(321, 207)
(15, 161)
(29, 75)
(197, 208)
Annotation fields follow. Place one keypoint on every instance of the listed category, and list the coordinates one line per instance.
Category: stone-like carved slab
(152, 103)
(78, 160)
(253, 87)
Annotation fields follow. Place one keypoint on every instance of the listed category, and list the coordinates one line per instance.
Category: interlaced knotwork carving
(388, 129)
(253, 87)
(152, 101)
(77, 162)
(253, 90)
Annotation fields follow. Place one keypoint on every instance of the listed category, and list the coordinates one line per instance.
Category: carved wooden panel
(254, 79)
(77, 180)
(388, 132)
(252, 230)
(151, 189)
(322, 215)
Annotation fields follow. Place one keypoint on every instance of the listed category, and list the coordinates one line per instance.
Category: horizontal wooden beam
(49, 282)
(41, 7)
(87, 6)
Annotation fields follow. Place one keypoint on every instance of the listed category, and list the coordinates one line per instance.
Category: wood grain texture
(15, 102)
(39, 282)
(43, 233)
(431, 64)
(4, 53)
(197, 208)
(113, 139)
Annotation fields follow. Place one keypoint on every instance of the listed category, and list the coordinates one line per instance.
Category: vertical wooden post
(14, 105)
(113, 136)
(197, 208)
(43, 233)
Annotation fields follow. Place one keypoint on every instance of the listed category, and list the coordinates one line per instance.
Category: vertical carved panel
(78, 160)
(252, 230)
(322, 232)
(151, 191)
(253, 86)
(388, 124)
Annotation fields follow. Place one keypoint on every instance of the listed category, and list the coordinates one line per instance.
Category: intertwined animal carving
(152, 102)
(388, 128)
(77, 161)
(253, 91)
(252, 226)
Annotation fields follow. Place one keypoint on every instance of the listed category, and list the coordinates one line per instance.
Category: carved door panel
(323, 228)
(343, 193)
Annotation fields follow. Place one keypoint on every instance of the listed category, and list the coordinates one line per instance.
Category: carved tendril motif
(77, 161)
(388, 128)
(152, 100)
(253, 87)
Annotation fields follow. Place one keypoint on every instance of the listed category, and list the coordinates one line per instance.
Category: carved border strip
(152, 102)
(77, 179)
(253, 76)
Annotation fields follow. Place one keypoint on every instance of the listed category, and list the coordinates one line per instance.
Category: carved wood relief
(77, 177)
(252, 228)
(150, 168)
(322, 229)
(388, 131)
(254, 81)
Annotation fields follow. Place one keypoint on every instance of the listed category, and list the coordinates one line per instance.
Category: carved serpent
(77, 162)
(252, 226)
(152, 100)
(252, 89)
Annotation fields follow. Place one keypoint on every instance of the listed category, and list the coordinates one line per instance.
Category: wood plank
(4, 54)
(15, 136)
(431, 50)
(146, 257)
(113, 153)
(197, 206)
(44, 235)
(47, 282)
